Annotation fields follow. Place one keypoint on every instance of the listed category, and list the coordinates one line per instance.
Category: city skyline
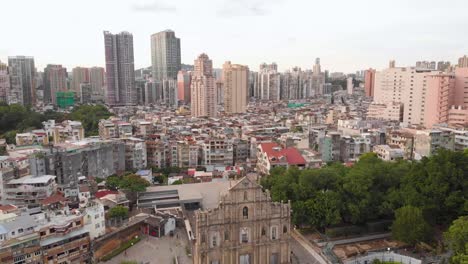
(353, 37)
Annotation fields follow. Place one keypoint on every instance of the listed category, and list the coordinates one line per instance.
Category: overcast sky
(347, 35)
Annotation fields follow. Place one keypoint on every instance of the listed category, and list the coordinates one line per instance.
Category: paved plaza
(153, 250)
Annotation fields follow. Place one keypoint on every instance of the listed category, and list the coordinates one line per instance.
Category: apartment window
(96, 216)
(285, 229)
(97, 225)
(226, 235)
(263, 231)
(245, 196)
(245, 212)
(20, 230)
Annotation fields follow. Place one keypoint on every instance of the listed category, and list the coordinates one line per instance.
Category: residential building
(235, 82)
(64, 239)
(349, 85)
(79, 75)
(406, 85)
(135, 153)
(68, 131)
(389, 152)
(257, 231)
(31, 138)
(22, 80)
(271, 155)
(203, 97)
(443, 65)
(463, 62)
(461, 86)
(169, 92)
(187, 154)
(165, 55)
(97, 80)
(19, 242)
(30, 190)
(318, 80)
(440, 98)
(85, 93)
(114, 128)
(392, 111)
(94, 220)
(219, 88)
(369, 82)
(4, 83)
(217, 152)
(269, 81)
(157, 153)
(183, 86)
(120, 69)
(458, 116)
(142, 128)
(55, 80)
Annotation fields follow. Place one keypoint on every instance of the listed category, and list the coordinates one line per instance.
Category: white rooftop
(32, 180)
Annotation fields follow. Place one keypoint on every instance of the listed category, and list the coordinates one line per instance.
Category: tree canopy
(457, 237)
(373, 189)
(410, 226)
(118, 211)
(129, 182)
(16, 118)
(89, 115)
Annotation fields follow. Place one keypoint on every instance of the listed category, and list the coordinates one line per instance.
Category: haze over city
(346, 35)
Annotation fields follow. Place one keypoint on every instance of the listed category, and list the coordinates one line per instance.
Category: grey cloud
(154, 7)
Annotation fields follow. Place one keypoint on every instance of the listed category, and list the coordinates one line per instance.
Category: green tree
(457, 237)
(89, 115)
(113, 182)
(324, 209)
(10, 136)
(133, 183)
(410, 226)
(118, 211)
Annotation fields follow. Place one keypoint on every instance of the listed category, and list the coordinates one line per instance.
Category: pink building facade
(183, 86)
(369, 79)
(439, 99)
(461, 86)
(458, 116)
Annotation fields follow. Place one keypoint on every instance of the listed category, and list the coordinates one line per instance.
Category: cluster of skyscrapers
(21, 83)
(165, 83)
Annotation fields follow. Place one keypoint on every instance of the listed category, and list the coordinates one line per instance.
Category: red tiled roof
(101, 194)
(58, 197)
(292, 155)
(8, 208)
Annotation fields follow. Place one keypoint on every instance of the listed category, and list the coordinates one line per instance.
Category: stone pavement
(152, 250)
(314, 257)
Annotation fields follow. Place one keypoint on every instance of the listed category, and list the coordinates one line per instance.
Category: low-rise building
(389, 152)
(135, 154)
(29, 190)
(271, 155)
(386, 111)
(217, 152)
(68, 131)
